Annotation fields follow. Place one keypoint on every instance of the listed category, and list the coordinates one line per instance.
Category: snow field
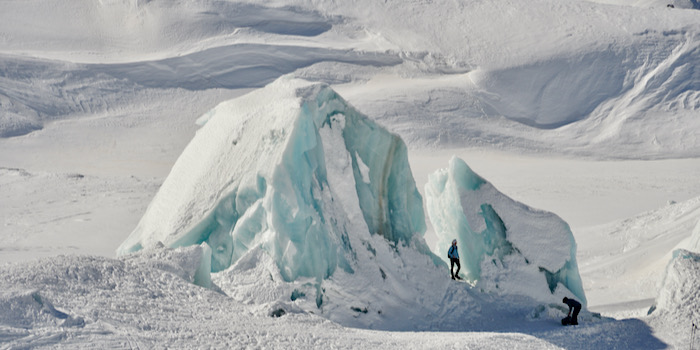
(45, 214)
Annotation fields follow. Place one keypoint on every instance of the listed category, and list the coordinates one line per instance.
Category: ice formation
(680, 287)
(292, 168)
(677, 306)
(504, 246)
(299, 203)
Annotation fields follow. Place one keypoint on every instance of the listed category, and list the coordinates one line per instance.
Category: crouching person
(575, 306)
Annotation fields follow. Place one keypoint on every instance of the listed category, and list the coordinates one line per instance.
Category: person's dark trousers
(454, 262)
(574, 316)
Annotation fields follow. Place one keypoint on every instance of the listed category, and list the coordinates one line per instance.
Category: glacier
(505, 246)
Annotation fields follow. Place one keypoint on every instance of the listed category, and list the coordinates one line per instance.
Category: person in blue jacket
(453, 254)
(573, 305)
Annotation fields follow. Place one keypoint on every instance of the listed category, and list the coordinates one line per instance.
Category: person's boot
(457, 277)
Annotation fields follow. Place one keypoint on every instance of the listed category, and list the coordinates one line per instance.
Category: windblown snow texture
(677, 307)
(504, 245)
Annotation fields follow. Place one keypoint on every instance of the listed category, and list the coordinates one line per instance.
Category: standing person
(576, 306)
(453, 254)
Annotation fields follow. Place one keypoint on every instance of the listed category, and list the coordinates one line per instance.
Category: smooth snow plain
(587, 110)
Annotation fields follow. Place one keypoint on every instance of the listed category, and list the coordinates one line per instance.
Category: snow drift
(505, 246)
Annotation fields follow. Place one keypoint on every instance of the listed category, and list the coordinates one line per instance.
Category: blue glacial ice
(290, 199)
(505, 246)
(257, 174)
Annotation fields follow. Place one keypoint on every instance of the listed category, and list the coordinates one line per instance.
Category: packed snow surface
(148, 300)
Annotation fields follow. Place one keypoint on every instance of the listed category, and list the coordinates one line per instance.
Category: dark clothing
(576, 306)
(574, 316)
(454, 262)
(453, 253)
(573, 304)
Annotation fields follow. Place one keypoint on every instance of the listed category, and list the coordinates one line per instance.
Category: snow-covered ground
(589, 110)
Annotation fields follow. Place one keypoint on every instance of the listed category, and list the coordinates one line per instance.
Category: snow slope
(567, 76)
(628, 258)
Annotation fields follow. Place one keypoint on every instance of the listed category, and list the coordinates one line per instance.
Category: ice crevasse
(505, 247)
(293, 169)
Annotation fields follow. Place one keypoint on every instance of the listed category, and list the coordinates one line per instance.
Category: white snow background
(589, 110)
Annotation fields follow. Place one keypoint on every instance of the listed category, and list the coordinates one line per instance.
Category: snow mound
(192, 264)
(106, 303)
(25, 309)
(505, 246)
(680, 290)
(677, 307)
